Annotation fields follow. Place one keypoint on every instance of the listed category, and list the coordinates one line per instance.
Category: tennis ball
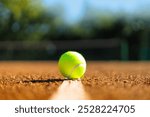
(72, 65)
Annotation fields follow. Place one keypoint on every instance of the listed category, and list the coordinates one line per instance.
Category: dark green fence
(96, 49)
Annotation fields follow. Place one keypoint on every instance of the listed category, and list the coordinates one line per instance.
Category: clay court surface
(103, 80)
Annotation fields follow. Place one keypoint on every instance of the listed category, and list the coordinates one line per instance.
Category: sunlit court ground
(102, 80)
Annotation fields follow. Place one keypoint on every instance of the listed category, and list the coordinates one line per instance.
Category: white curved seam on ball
(75, 67)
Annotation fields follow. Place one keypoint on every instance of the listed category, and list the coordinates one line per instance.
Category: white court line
(70, 90)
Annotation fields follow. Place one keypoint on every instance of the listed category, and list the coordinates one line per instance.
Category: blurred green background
(100, 30)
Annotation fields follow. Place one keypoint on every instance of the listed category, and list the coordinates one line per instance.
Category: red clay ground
(103, 80)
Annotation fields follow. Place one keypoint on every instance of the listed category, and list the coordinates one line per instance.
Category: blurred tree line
(28, 20)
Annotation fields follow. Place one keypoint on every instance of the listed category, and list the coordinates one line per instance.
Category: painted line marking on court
(70, 90)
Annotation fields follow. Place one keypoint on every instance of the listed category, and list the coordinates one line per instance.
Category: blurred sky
(73, 10)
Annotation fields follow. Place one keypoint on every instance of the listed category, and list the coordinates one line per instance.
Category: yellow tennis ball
(72, 65)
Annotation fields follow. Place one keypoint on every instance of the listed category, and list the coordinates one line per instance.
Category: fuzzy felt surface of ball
(72, 65)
